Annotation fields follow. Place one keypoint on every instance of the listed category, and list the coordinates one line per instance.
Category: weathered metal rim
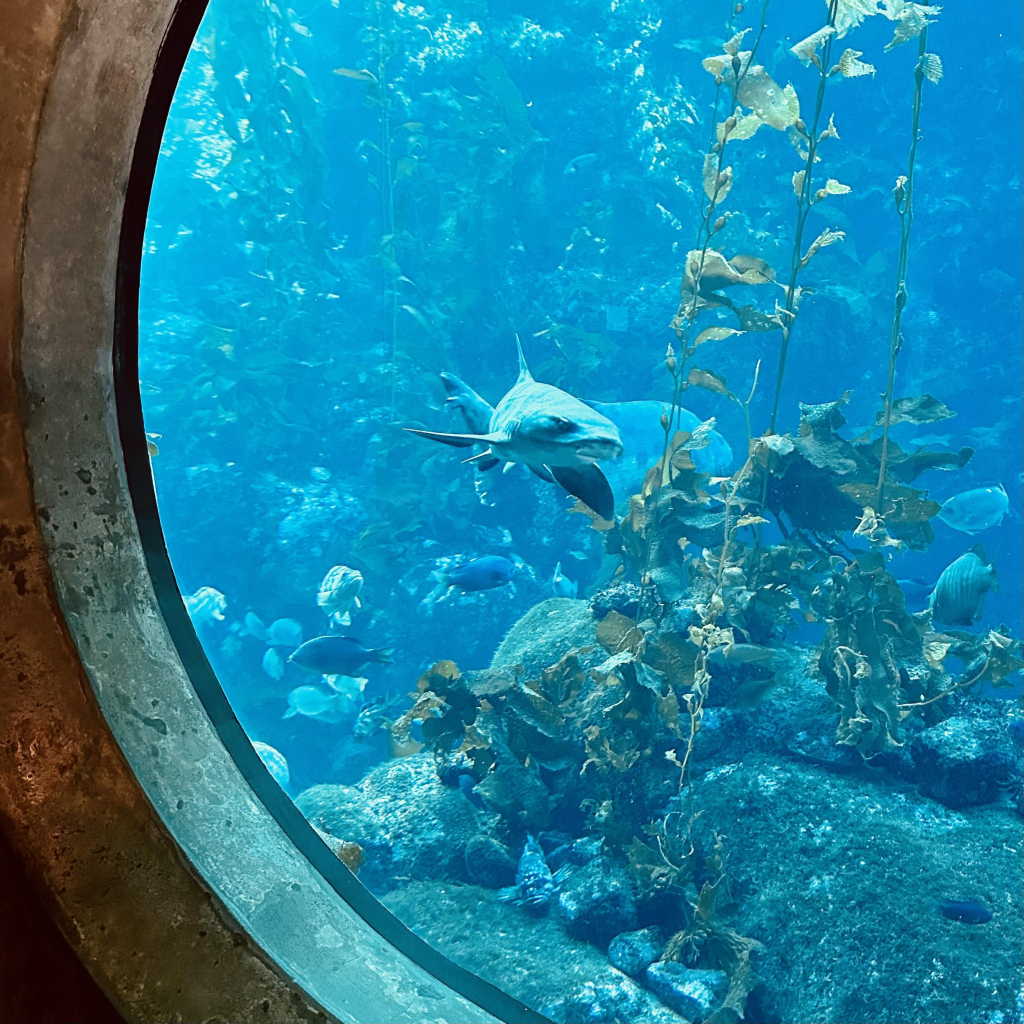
(187, 828)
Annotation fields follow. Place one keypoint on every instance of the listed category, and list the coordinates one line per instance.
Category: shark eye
(561, 424)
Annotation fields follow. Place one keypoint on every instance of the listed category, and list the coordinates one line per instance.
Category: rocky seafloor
(836, 869)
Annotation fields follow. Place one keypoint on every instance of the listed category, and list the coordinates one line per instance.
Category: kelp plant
(611, 748)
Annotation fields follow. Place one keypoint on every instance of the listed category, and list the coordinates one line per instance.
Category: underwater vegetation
(631, 690)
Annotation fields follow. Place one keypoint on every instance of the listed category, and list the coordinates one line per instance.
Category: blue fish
(961, 589)
(534, 882)
(466, 785)
(284, 633)
(578, 163)
(480, 574)
(254, 626)
(337, 655)
(968, 911)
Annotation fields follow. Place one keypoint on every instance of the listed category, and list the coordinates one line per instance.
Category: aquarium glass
(587, 437)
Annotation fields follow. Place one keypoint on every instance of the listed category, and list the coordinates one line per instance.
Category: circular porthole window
(585, 441)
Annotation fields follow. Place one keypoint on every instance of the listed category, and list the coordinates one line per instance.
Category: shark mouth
(598, 448)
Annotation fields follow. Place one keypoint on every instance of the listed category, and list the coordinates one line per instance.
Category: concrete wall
(173, 884)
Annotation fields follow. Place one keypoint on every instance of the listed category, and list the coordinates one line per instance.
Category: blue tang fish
(480, 574)
(557, 436)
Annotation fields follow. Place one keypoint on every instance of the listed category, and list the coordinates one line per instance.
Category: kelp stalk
(387, 203)
(904, 197)
(805, 200)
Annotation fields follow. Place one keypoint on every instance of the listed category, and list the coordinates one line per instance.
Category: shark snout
(599, 448)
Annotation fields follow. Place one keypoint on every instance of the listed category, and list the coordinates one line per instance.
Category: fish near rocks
(968, 911)
(534, 881)
(976, 510)
(562, 586)
(484, 573)
(556, 435)
(741, 654)
(337, 655)
(961, 588)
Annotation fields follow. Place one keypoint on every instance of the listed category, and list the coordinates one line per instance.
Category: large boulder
(837, 874)
(963, 761)
(409, 824)
(531, 957)
(546, 633)
(692, 992)
(596, 901)
(634, 952)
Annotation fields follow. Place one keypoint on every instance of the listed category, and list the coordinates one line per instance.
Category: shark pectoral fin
(543, 472)
(455, 440)
(486, 464)
(588, 484)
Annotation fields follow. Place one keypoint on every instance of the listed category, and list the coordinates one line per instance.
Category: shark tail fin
(524, 370)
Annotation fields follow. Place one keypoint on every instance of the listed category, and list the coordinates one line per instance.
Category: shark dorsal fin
(524, 370)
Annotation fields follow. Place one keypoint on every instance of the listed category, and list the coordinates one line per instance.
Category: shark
(557, 436)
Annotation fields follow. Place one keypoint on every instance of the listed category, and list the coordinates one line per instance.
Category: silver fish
(534, 882)
(961, 589)
(556, 435)
(977, 510)
(561, 585)
(740, 654)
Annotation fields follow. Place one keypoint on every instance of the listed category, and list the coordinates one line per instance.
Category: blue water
(352, 198)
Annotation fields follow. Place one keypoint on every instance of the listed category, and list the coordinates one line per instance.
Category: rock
(616, 596)
(826, 866)
(634, 952)
(408, 823)
(608, 1003)
(961, 761)
(529, 957)
(546, 633)
(489, 863)
(693, 993)
(597, 902)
